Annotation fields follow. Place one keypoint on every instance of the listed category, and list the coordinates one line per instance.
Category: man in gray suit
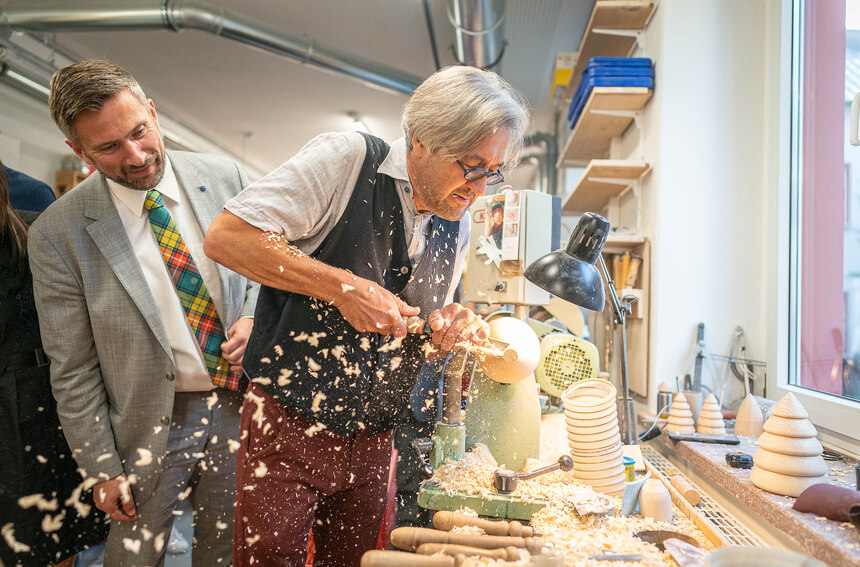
(145, 334)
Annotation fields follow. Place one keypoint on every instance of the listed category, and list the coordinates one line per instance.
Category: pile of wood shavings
(574, 537)
(474, 474)
(577, 538)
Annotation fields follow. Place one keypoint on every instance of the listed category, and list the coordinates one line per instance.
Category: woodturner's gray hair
(457, 108)
(84, 86)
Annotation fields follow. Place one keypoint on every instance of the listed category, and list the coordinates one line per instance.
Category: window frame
(833, 416)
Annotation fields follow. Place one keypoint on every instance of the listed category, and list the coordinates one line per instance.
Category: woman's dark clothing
(34, 455)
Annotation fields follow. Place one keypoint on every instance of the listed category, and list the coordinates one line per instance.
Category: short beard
(441, 209)
(142, 184)
(428, 196)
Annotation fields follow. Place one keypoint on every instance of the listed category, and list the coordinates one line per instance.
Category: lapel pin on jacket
(203, 188)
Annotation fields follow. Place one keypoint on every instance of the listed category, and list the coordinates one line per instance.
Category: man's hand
(233, 348)
(114, 498)
(369, 307)
(455, 326)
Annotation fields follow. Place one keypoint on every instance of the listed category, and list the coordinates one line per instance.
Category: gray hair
(457, 108)
(85, 86)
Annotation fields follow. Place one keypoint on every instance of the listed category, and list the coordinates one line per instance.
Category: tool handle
(415, 324)
(377, 558)
(507, 554)
(410, 538)
(564, 463)
(689, 493)
(632, 272)
(447, 521)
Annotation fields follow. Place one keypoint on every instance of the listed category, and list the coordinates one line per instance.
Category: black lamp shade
(572, 274)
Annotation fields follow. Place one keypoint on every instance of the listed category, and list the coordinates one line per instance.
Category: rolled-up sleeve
(307, 194)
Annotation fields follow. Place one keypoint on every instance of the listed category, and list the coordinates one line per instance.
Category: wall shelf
(602, 180)
(606, 335)
(608, 112)
(612, 32)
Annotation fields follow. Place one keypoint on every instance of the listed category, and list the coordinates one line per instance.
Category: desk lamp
(572, 274)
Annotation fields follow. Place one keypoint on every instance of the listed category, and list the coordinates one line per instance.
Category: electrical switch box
(510, 230)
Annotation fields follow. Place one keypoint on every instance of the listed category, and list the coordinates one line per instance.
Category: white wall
(29, 141)
(708, 207)
(707, 133)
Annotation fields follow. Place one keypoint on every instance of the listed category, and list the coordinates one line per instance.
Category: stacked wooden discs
(711, 418)
(788, 460)
(680, 416)
(591, 414)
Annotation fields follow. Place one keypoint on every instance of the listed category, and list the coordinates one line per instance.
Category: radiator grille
(732, 529)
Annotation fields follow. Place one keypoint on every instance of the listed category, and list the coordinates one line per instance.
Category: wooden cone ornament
(750, 419)
(711, 418)
(680, 416)
(788, 460)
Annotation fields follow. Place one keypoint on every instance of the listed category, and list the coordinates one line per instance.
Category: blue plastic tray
(587, 84)
(618, 72)
(619, 62)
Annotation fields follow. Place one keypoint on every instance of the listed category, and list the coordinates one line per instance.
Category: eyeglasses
(475, 173)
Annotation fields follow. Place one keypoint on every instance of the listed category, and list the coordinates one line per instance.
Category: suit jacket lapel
(109, 236)
(191, 178)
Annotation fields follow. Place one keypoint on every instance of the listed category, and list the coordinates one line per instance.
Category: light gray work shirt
(304, 198)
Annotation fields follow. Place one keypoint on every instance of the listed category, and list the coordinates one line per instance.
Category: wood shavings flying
(41, 503)
(8, 533)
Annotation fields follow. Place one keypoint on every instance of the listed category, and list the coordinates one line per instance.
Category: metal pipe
(101, 15)
(22, 83)
(429, 21)
(460, 365)
(478, 28)
(547, 169)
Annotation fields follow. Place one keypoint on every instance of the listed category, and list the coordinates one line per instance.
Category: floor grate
(733, 530)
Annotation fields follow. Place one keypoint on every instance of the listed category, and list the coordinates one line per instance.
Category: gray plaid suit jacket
(110, 357)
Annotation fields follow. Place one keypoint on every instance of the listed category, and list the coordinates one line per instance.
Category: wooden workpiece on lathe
(518, 359)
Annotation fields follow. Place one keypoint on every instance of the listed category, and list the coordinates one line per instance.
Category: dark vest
(303, 353)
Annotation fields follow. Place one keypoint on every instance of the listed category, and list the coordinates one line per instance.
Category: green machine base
(432, 497)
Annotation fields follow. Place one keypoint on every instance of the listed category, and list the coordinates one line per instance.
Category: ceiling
(262, 108)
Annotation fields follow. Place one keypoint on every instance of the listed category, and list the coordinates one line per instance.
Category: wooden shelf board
(593, 132)
(602, 180)
(620, 243)
(614, 15)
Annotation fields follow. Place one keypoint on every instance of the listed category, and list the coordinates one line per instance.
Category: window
(824, 333)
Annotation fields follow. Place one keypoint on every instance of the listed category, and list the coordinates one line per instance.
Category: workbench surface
(835, 543)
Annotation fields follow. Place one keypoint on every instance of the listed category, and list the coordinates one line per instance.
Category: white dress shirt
(191, 372)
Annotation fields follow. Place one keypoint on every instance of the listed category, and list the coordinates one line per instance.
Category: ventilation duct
(478, 28)
(175, 15)
(547, 175)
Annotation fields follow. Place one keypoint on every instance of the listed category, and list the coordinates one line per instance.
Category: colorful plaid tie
(192, 292)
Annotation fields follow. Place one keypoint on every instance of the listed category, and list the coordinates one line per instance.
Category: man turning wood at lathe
(350, 237)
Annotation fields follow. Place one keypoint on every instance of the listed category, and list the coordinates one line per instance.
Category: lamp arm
(618, 309)
(627, 418)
